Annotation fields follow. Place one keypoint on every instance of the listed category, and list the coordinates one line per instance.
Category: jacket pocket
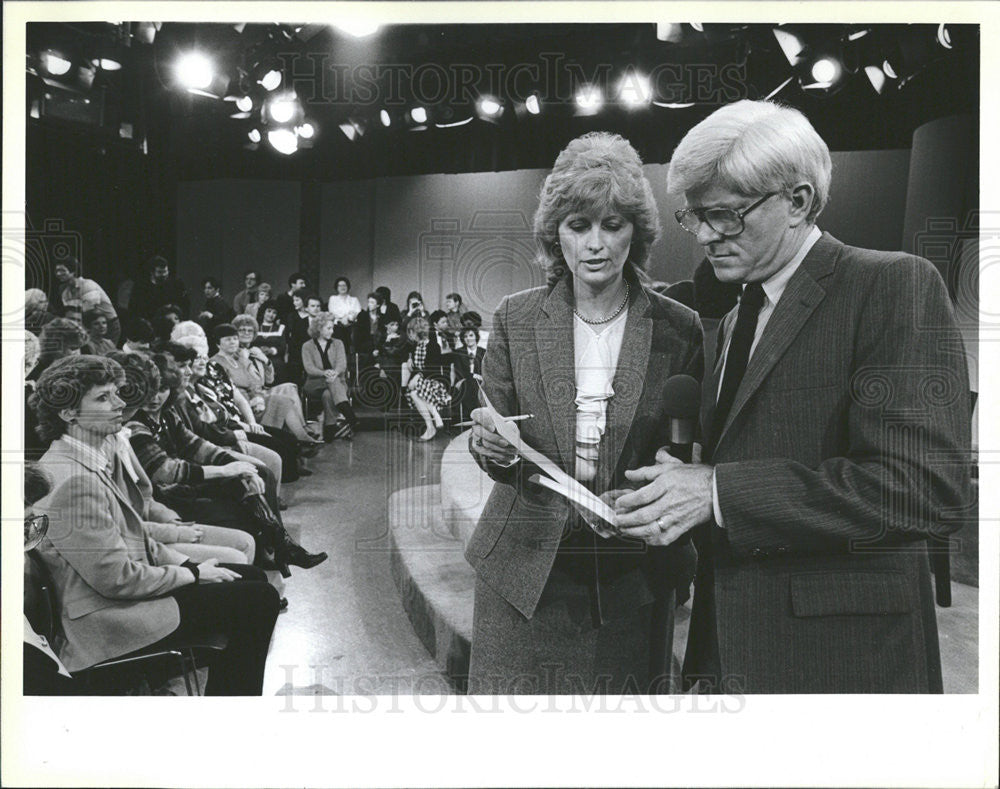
(861, 593)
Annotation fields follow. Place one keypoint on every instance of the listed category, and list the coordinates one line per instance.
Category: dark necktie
(739, 354)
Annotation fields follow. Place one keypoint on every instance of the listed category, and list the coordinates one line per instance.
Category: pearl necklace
(610, 317)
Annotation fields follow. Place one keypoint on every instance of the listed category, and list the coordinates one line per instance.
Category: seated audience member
(97, 327)
(296, 281)
(366, 329)
(164, 320)
(298, 334)
(248, 294)
(139, 336)
(60, 337)
(272, 339)
(118, 589)
(475, 320)
(453, 309)
(80, 296)
(200, 420)
(216, 309)
(392, 351)
(44, 673)
(203, 481)
(157, 288)
(440, 332)
(345, 309)
(251, 372)
(414, 309)
(388, 309)
(426, 389)
(325, 363)
(223, 406)
(262, 294)
(36, 310)
(468, 364)
(34, 447)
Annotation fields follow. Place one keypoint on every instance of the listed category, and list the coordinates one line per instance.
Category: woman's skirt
(431, 391)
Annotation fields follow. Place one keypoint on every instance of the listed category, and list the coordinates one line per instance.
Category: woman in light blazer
(559, 609)
(118, 589)
(325, 363)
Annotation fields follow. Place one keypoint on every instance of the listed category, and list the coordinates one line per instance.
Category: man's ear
(801, 199)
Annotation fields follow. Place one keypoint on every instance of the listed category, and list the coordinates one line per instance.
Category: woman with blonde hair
(325, 363)
(426, 389)
(561, 606)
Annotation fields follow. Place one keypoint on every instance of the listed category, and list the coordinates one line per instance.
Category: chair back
(39, 606)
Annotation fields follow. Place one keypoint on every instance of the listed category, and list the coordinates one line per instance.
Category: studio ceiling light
(54, 63)
(194, 71)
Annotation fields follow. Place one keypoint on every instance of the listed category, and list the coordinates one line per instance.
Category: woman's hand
(237, 468)
(190, 533)
(256, 428)
(210, 573)
(487, 443)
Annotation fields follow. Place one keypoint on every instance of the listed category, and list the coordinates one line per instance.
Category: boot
(269, 548)
(286, 550)
(347, 410)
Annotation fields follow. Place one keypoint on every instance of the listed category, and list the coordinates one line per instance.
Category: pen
(519, 418)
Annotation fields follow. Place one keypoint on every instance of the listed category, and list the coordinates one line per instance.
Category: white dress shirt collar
(775, 285)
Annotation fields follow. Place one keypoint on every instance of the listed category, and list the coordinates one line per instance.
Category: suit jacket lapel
(554, 342)
(631, 372)
(801, 297)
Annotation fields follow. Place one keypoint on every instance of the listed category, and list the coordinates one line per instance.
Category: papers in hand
(591, 508)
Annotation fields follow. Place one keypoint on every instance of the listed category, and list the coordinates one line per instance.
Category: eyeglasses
(35, 527)
(724, 221)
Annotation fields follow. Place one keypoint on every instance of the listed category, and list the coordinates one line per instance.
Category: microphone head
(682, 397)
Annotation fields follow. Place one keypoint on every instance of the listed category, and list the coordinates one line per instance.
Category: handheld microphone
(682, 402)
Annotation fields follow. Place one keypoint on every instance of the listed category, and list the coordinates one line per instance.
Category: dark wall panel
(225, 227)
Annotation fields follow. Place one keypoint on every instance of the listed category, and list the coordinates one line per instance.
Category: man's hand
(190, 533)
(210, 573)
(238, 468)
(677, 498)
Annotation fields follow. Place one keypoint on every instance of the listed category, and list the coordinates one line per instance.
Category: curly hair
(242, 321)
(63, 385)
(270, 304)
(187, 329)
(596, 172)
(316, 324)
(61, 335)
(142, 378)
(418, 328)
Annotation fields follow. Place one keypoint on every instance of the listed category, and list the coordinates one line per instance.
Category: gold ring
(659, 522)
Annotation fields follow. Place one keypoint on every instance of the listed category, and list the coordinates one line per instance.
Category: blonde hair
(316, 324)
(753, 148)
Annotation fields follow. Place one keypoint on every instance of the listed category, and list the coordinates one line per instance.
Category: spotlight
(244, 104)
(634, 89)
(359, 28)
(876, 77)
(254, 135)
(283, 108)
(350, 131)
(194, 71)
(283, 141)
(532, 105)
(54, 63)
(890, 72)
(107, 64)
(306, 131)
(589, 100)
(271, 80)
(825, 70)
(790, 44)
(698, 26)
(858, 34)
(943, 36)
(669, 31)
(419, 115)
(489, 106)
(384, 117)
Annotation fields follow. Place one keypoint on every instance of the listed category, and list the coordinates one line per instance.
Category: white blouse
(344, 308)
(596, 357)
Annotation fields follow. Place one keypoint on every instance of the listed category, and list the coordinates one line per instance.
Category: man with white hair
(835, 431)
